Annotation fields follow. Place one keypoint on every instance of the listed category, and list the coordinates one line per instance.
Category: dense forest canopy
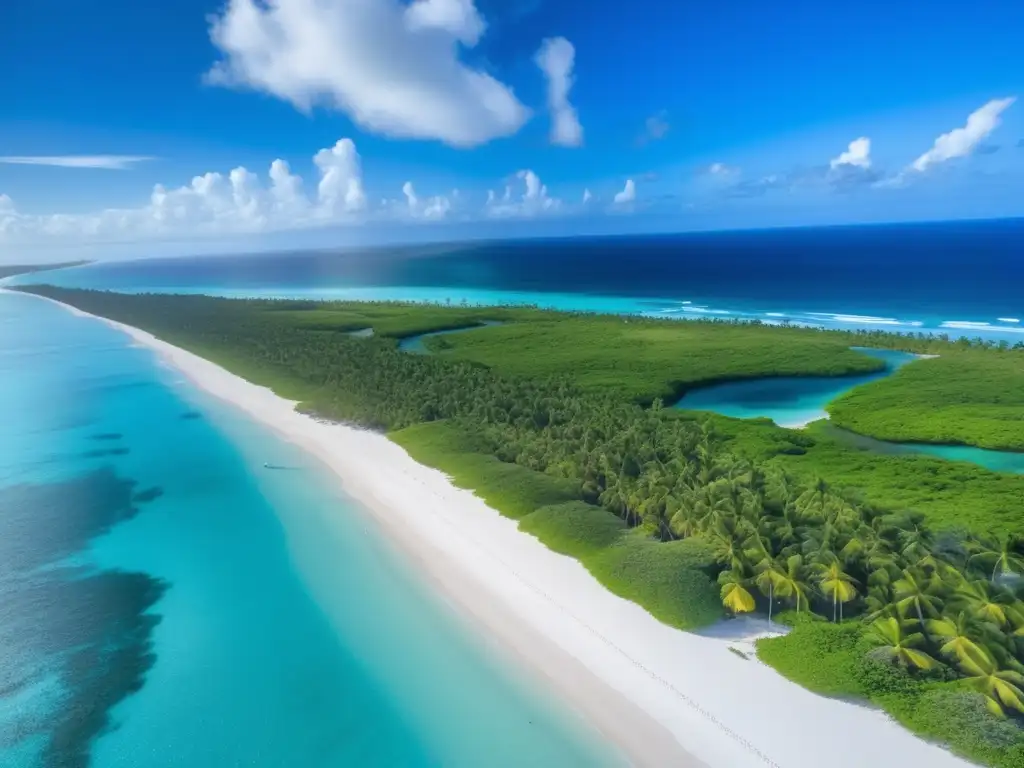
(557, 420)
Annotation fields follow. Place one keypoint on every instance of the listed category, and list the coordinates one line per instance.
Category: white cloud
(628, 193)
(722, 170)
(534, 201)
(458, 17)
(393, 68)
(106, 162)
(286, 191)
(857, 155)
(433, 208)
(341, 180)
(556, 58)
(587, 196)
(961, 142)
(215, 204)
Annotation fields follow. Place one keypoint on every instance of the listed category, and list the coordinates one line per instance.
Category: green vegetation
(25, 269)
(647, 359)
(900, 570)
(966, 396)
(386, 319)
(575, 528)
(512, 489)
(840, 660)
(951, 495)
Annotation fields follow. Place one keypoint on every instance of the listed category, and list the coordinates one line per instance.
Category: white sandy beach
(666, 697)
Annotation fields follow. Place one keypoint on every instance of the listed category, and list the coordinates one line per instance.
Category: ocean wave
(837, 317)
(775, 314)
(964, 324)
(971, 325)
(1008, 319)
(706, 311)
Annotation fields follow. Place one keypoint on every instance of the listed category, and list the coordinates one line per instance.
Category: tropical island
(896, 574)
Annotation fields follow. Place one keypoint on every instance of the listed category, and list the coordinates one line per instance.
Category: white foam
(706, 311)
(1008, 319)
(964, 324)
(840, 317)
(775, 314)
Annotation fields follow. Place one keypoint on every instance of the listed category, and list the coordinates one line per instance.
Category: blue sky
(664, 116)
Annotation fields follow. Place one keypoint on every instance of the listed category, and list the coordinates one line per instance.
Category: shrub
(574, 528)
(671, 580)
(818, 655)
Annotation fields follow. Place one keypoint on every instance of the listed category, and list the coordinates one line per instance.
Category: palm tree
(728, 539)
(837, 584)
(978, 599)
(735, 595)
(793, 582)
(771, 580)
(894, 646)
(1002, 552)
(959, 636)
(1001, 687)
(916, 593)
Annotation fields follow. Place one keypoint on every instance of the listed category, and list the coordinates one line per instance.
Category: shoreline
(663, 696)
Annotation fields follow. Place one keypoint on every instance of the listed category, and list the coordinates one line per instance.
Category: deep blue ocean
(957, 278)
(167, 601)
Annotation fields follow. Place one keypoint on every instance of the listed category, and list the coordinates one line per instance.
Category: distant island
(25, 269)
(894, 576)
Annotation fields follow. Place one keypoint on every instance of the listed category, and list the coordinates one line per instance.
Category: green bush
(512, 489)
(948, 713)
(574, 528)
(819, 655)
(671, 580)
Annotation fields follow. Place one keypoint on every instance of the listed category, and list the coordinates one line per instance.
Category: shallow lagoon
(789, 401)
(997, 461)
(792, 401)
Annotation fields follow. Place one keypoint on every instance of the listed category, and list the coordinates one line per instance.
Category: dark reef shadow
(90, 629)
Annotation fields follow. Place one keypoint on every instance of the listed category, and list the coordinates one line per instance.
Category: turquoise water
(787, 400)
(415, 344)
(997, 461)
(792, 401)
(166, 600)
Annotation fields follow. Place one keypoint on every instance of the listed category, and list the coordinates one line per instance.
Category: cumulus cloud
(534, 201)
(857, 155)
(106, 162)
(431, 209)
(341, 180)
(628, 193)
(961, 142)
(393, 68)
(851, 169)
(556, 58)
(214, 204)
(457, 17)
